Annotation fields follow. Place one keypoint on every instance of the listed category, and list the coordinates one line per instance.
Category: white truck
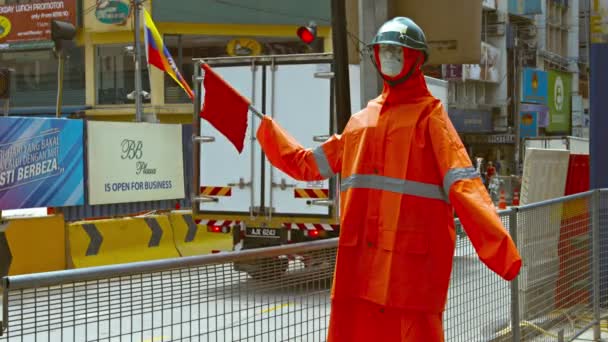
(242, 193)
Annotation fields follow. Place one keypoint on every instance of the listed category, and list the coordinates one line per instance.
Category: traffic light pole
(338, 25)
(138, 86)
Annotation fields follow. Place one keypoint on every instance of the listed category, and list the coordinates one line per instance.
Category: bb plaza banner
(41, 162)
(133, 162)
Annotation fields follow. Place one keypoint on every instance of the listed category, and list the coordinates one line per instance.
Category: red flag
(225, 108)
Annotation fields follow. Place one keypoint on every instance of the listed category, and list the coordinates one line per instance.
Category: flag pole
(256, 112)
(138, 87)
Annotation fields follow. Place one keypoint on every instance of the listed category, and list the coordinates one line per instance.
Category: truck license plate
(263, 232)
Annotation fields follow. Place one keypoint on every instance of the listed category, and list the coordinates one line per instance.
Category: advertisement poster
(22, 23)
(559, 102)
(134, 162)
(528, 125)
(41, 163)
(534, 88)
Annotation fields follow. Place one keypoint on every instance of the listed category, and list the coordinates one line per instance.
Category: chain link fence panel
(282, 293)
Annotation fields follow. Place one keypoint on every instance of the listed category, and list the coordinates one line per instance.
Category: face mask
(391, 59)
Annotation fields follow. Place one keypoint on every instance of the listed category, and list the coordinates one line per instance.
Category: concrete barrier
(194, 239)
(32, 245)
(121, 240)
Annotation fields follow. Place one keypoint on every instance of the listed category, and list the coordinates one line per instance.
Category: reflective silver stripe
(397, 185)
(322, 162)
(454, 175)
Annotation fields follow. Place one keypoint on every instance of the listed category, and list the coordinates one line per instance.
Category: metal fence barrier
(562, 290)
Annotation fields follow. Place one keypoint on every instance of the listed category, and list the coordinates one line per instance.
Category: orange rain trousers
(361, 320)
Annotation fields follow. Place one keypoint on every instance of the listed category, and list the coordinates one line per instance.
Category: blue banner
(528, 125)
(535, 86)
(525, 7)
(41, 162)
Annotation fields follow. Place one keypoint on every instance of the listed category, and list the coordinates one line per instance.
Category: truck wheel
(268, 268)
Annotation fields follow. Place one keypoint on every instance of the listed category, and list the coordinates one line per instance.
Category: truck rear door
(227, 177)
(300, 103)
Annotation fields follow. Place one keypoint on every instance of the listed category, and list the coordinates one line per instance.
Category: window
(34, 79)
(557, 27)
(115, 74)
(184, 48)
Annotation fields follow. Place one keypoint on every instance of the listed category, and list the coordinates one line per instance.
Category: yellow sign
(599, 21)
(243, 47)
(5, 26)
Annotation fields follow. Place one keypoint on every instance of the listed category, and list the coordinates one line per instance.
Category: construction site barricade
(575, 235)
(120, 240)
(32, 245)
(192, 238)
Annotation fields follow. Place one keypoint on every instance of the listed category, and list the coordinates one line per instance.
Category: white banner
(133, 162)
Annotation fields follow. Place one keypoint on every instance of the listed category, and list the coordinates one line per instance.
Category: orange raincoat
(403, 170)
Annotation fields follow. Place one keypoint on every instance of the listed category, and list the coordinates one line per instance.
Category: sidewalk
(588, 336)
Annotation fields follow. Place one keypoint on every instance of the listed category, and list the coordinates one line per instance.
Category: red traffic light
(307, 34)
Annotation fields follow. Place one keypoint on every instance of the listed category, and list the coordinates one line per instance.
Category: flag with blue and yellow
(158, 55)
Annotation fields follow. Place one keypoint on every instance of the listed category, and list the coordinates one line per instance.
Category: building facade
(99, 79)
(528, 82)
(526, 85)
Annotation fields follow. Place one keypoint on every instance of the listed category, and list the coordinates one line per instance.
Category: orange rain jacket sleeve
(286, 154)
(470, 199)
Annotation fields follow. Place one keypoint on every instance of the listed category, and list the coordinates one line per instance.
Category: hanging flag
(158, 55)
(224, 108)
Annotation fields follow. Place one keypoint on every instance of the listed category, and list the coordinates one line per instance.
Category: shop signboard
(110, 15)
(244, 47)
(133, 162)
(112, 12)
(542, 112)
(30, 23)
(599, 21)
(471, 120)
(452, 72)
(528, 125)
(559, 101)
(525, 7)
(41, 162)
(490, 139)
(534, 87)
(528, 58)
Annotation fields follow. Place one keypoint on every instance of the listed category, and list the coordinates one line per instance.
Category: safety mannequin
(403, 171)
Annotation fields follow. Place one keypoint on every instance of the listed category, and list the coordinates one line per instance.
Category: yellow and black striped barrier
(195, 239)
(121, 240)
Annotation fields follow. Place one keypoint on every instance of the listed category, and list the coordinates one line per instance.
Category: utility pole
(517, 82)
(138, 86)
(340, 48)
